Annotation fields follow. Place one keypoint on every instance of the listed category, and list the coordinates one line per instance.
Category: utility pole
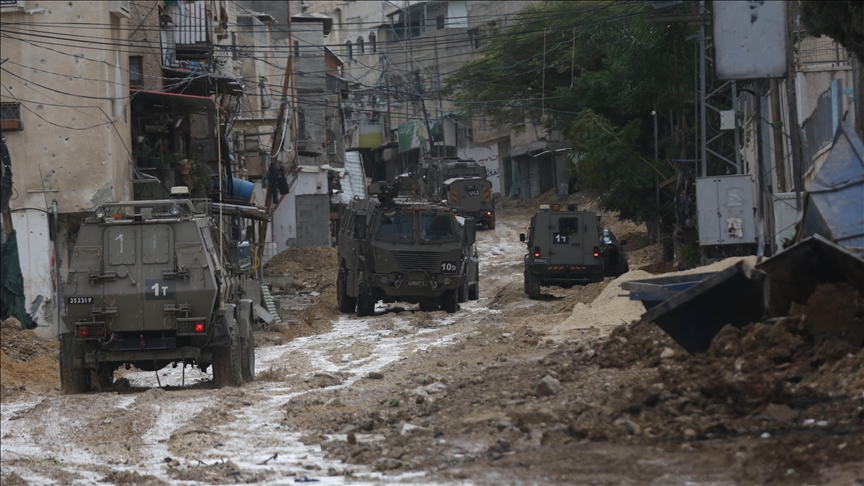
(792, 108)
(777, 122)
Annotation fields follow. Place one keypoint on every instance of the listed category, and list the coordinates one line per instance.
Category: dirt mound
(26, 360)
(310, 266)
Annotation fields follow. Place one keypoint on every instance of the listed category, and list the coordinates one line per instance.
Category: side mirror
(470, 231)
(360, 228)
(522, 237)
(244, 256)
(622, 242)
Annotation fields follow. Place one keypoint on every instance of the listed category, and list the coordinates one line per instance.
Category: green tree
(595, 71)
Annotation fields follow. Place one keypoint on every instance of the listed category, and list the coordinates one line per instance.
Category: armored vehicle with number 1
(567, 247)
(153, 283)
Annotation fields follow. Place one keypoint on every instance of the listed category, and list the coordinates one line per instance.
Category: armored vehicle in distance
(153, 283)
(462, 184)
(394, 248)
(568, 247)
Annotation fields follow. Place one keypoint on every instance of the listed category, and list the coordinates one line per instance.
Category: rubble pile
(310, 267)
(794, 385)
(25, 360)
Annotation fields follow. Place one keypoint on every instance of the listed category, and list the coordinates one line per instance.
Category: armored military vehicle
(567, 247)
(462, 184)
(152, 283)
(393, 248)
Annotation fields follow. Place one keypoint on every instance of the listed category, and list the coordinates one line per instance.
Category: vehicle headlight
(175, 210)
(384, 279)
(100, 212)
(447, 281)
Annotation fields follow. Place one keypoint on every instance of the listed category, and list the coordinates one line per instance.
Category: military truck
(160, 282)
(567, 247)
(462, 184)
(394, 248)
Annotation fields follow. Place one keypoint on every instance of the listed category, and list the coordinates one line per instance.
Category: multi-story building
(314, 140)
(396, 55)
(65, 113)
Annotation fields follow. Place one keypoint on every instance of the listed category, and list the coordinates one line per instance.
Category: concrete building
(65, 113)
(396, 55)
(314, 145)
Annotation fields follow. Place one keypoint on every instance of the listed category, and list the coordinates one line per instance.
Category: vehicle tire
(247, 350)
(72, 380)
(346, 303)
(533, 286)
(105, 376)
(226, 363)
(450, 301)
(426, 306)
(462, 294)
(365, 300)
(491, 224)
(474, 292)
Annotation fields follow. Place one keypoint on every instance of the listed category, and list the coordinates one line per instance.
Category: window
(360, 46)
(296, 48)
(349, 48)
(10, 116)
(436, 227)
(439, 22)
(136, 71)
(570, 225)
(474, 38)
(372, 44)
(396, 226)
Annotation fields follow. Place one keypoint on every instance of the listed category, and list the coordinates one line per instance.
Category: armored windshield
(396, 226)
(436, 227)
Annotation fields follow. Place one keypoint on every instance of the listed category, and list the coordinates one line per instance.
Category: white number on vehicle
(159, 290)
(560, 238)
(80, 300)
(475, 192)
(448, 267)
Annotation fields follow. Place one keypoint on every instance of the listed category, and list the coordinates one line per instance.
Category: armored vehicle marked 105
(151, 284)
(568, 247)
(402, 249)
(462, 184)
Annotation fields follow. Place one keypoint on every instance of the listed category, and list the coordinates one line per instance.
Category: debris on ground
(25, 360)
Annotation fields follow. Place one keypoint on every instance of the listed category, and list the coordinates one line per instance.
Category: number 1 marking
(120, 239)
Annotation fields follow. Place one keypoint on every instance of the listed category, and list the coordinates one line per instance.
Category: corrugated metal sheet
(354, 182)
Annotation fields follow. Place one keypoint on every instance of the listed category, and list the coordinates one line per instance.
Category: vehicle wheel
(450, 301)
(365, 300)
(462, 294)
(491, 224)
(474, 292)
(105, 376)
(247, 350)
(346, 303)
(72, 380)
(533, 286)
(226, 363)
(426, 306)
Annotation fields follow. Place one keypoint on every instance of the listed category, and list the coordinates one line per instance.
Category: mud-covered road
(506, 391)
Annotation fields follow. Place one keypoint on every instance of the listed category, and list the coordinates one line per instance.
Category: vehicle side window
(568, 224)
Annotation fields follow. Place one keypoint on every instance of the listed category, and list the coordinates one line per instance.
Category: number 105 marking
(448, 267)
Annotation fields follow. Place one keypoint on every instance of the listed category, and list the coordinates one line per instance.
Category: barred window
(136, 71)
(10, 116)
